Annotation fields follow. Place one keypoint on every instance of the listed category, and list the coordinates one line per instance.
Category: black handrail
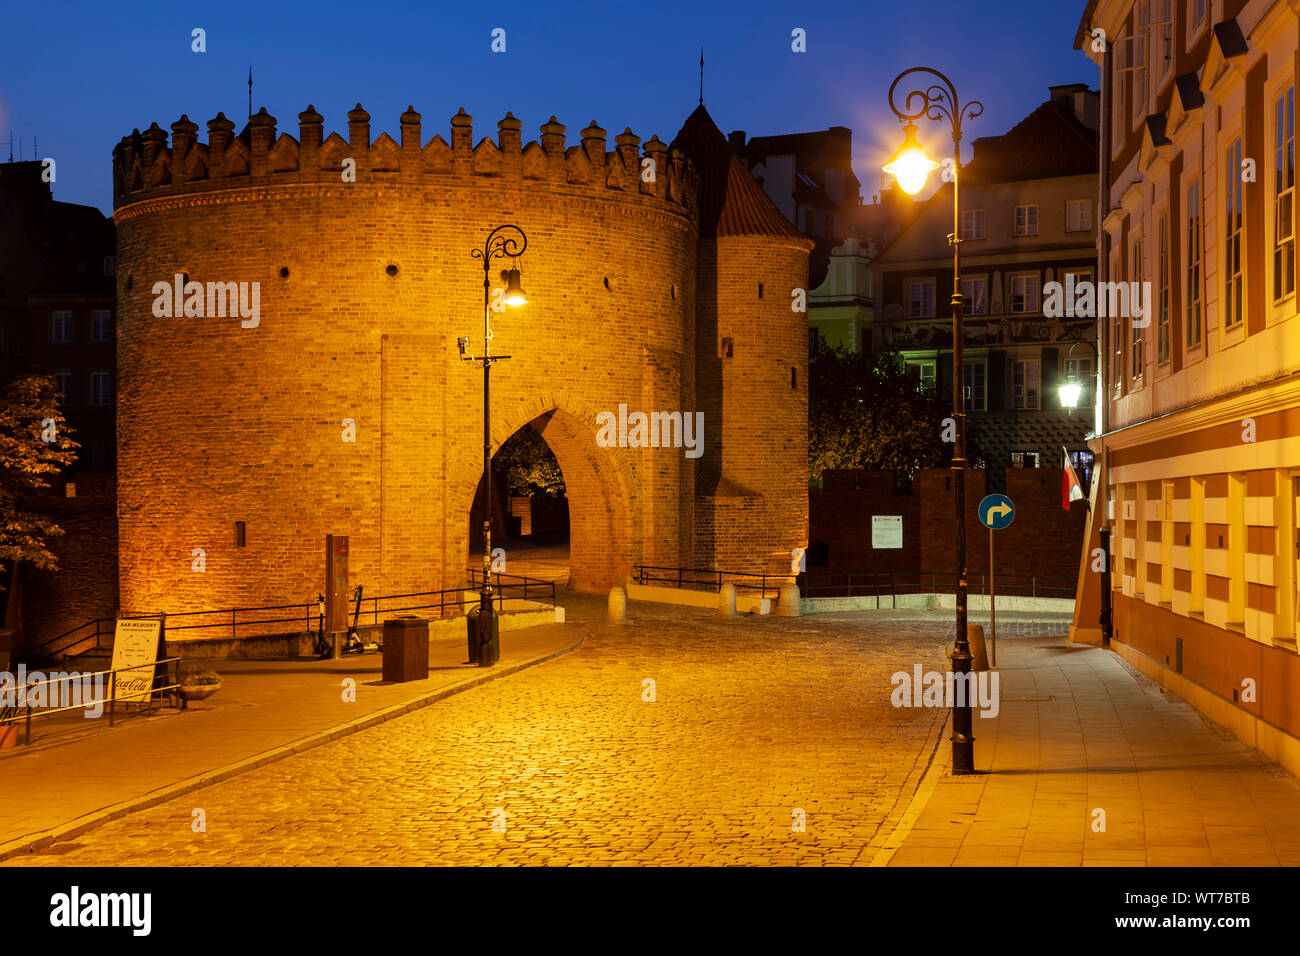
(303, 613)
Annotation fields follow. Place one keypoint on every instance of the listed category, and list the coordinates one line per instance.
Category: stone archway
(602, 515)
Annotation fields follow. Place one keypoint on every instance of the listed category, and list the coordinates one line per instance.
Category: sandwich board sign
(136, 641)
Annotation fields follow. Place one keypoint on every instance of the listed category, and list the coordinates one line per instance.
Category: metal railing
(171, 688)
(232, 620)
(516, 587)
(887, 584)
(705, 579)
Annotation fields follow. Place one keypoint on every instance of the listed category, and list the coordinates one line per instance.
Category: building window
(1024, 384)
(1136, 277)
(923, 374)
(1027, 220)
(101, 389)
(1198, 13)
(101, 325)
(1194, 264)
(65, 388)
(1025, 292)
(61, 328)
(1232, 245)
(110, 265)
(1024, 459)
(1078, 215)
(975, 292)
(1284, 196)
(1080, 370)
(974, 387)
(972, 224)
(1162, 311)
(920, 299)
(1117, 367)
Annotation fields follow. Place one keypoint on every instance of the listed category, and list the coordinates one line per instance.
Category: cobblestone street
(756, 725)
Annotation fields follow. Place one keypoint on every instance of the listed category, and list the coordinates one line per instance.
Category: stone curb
(33, 843)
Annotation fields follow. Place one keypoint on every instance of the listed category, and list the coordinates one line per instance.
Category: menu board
(135, 642)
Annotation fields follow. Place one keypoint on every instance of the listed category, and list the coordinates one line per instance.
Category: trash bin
(406, 649)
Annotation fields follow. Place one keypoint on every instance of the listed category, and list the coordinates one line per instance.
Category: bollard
(727, 600)
(978, 652)
(788, 603)
(617, 604)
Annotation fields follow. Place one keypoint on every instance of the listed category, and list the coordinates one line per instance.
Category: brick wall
(1042, 541)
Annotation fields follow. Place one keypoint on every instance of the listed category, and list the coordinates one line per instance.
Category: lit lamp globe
(514, 291)
(1070, 392)
(911, 165)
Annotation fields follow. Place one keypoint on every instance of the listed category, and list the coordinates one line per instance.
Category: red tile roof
(732, 203)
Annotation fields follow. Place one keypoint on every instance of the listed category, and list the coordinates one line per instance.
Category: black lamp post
(507, 240)
(910, 165)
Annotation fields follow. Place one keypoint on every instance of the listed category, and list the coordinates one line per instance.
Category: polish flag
(1071, 490)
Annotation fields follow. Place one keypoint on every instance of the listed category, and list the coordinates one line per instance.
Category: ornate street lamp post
(508, 240)
(910, 165)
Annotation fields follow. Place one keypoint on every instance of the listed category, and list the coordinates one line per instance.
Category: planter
(198, 691)
(9, 736)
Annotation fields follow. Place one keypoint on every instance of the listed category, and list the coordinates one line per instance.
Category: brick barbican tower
(659, 278)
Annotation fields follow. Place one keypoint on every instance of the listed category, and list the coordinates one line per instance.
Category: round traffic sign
(996, 511)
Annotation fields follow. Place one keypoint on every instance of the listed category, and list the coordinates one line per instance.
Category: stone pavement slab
(80, 772)
(1090, 763)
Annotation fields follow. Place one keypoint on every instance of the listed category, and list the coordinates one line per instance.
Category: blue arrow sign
(996, 512)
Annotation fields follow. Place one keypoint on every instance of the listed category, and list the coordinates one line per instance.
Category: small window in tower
(760, 290)
(794, 377)
(240, 535)
(726, 347)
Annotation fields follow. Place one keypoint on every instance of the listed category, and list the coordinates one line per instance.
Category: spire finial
(701, 76)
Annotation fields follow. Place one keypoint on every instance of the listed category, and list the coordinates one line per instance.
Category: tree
(866, 411)
(35, 442)
(530, 465)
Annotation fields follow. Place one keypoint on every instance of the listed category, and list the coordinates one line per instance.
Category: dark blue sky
(79, 76)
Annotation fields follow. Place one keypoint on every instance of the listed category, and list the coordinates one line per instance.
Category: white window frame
(972, 228)
(62, 327)
(1234, 234)
(1137, 356)
(101, 389)
(106, 315)
(65, 388)
(1030, 220)
(969, 385)
(1193, 265)
(912, 284)
(978, 293)
(1032, 283)
(1021, 403)
(927, 372)
(1283, 194)
(1085, 220)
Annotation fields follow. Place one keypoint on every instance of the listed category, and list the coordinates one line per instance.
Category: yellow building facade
(1199, 450)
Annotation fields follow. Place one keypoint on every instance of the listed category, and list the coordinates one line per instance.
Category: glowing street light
(911, 165)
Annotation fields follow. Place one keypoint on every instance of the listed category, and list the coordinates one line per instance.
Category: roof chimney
(736, 140)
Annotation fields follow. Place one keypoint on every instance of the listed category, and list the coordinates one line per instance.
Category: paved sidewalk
(76, 777)
(1176, 790)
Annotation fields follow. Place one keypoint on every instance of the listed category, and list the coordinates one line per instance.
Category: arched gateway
(306, 379)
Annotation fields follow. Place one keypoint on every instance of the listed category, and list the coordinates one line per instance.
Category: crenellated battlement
(145, 166)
